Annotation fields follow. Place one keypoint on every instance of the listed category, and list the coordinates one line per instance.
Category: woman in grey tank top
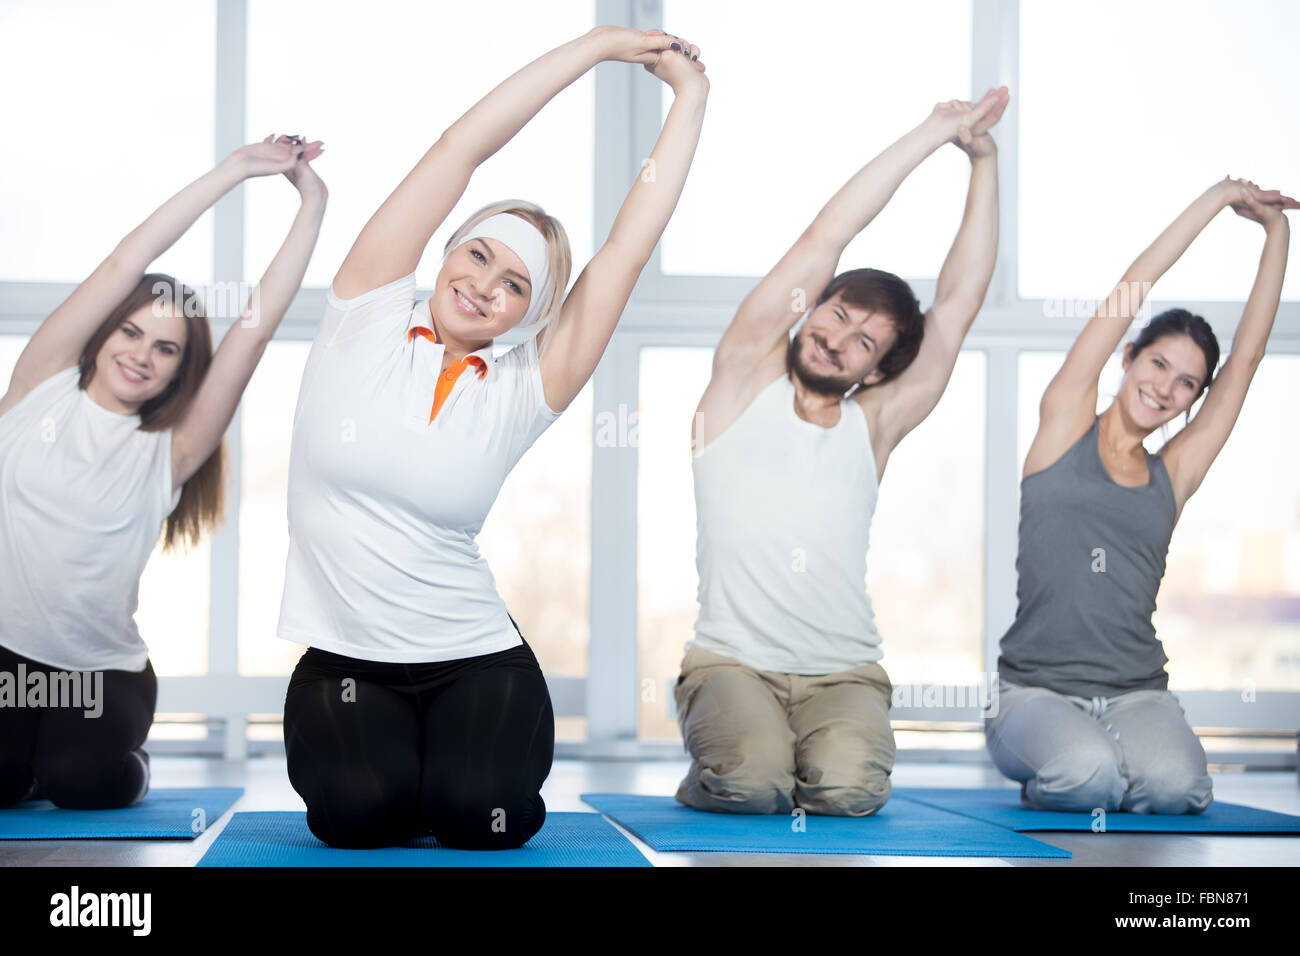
(1085, 720)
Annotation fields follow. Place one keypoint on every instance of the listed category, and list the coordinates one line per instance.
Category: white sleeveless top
(83, 494)
(783, 511)
(385, 504)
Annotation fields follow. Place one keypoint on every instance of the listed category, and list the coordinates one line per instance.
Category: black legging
(457, 749)
(64, 755)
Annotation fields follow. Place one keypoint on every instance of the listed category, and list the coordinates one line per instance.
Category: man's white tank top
(783, 513)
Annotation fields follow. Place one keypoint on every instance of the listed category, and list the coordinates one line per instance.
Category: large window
(799, 100)
(266, 430)
(537, 541)
(1128, 112)
(925, 566)
(173, 612)
(1115, 125)
(672, 381)
(107, 111)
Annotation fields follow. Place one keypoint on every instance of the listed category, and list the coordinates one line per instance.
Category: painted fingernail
(676, 46)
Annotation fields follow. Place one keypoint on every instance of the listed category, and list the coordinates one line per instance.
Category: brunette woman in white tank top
(112, 423)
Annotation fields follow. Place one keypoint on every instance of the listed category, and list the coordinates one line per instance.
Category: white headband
(525, 241)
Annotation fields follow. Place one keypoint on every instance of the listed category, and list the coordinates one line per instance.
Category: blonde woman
(418, 707)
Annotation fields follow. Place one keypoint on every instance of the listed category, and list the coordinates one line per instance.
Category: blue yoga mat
(177, 814)
(897, 829)
(1001, 805)
(282, 839)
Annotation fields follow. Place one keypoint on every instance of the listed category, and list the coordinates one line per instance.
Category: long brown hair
(200, 506)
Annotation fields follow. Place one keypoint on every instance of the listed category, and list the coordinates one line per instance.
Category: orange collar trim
(446, 380)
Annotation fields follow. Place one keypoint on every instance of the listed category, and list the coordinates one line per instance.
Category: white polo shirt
(384, 503)
(83, 494)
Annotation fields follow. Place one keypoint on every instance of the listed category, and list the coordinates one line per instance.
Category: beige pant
(764, 742)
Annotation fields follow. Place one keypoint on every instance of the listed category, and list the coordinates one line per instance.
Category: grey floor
(266, 787)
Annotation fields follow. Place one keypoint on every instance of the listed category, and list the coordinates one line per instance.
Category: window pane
(266, 426)
(672, 381)
(1228, 612)
(537, 541)
(173, 616)
(924, 568)
(11, 346)
(108, 112)
(173, 611)
(1110, 156)
(400, 76)
(790, 123)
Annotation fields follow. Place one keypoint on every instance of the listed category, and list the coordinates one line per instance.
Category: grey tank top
(1092, 554)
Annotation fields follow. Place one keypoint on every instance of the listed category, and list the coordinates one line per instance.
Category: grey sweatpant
(1133, 752)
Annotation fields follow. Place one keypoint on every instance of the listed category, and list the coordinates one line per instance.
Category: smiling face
(139, 359)
(841, 346)
(482, 290)
(1162, 381)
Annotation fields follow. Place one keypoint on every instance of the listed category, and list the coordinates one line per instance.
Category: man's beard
(829, 385)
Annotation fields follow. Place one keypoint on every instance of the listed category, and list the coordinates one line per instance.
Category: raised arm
(762, 323)
(898, 406)
(197, 435)
(593, 307)
(1189, 454)
(59, 341)
(392, 242)
(1070, 401)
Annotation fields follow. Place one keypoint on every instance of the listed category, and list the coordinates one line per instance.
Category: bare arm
(762, 323)
(1190, 453)
(1070, 401)
(593, 307)
(392, 242)
(197, 435)
(898, 406)
(62, 337)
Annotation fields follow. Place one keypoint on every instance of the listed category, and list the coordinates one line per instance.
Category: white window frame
(666, 310)
(676, 310)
